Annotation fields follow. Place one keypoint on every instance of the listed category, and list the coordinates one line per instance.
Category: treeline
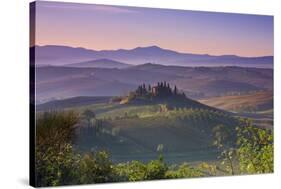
(162, 89)
(57, 163)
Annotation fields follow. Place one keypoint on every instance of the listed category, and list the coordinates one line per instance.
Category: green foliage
(57, 168)
(137, 171)
(54, 129)
(183, 171)
(55, 161)
(208, 169)
(222, 136)
(223, 139)
(95, 168)
(156, 169)
(255, 149)
(228, 157)
(130, 171)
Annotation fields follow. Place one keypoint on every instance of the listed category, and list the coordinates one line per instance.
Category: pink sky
(110, 27)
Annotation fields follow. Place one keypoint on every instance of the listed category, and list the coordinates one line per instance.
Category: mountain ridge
(62, 55)
(149, 47)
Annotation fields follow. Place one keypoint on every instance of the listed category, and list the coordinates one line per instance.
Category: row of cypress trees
(162, 89)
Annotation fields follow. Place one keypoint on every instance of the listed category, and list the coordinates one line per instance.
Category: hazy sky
(113, 27)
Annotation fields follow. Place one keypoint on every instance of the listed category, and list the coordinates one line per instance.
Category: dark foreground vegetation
(58, 163)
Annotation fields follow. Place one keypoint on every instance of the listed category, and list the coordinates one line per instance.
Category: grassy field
(134, 131)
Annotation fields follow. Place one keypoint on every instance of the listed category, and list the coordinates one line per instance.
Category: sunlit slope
(259, 101)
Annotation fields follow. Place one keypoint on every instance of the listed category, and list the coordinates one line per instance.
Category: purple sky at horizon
(101, 27)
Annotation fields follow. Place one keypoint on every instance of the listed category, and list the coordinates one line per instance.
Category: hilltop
(161, 93)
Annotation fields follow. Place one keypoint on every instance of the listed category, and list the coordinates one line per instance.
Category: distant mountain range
(121, 58)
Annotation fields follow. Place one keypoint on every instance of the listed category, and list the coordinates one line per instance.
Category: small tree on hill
(175, 90)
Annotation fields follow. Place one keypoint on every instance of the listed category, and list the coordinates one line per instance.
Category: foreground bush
(55, 129)
(55, 162)
(57, 168)
(138, 171)
(183, 171)
(255, 149)
(95, 168)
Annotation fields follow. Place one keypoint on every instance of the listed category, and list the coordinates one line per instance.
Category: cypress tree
(141, 90)
(149, 88)
(175, 90)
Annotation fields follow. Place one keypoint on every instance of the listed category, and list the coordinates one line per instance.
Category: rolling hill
(133, 131)
(258, 101)
(57, 82)
(100, 63)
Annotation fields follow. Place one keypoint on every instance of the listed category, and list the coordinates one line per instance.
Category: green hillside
(186, 134)
(134, 126)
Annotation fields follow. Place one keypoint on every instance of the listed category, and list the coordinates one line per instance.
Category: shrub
(57, 168)
(54, 129)
(183, 171)
(54, 158)
(96, 168)
(130, 171)
(255, 149)
(156, 169)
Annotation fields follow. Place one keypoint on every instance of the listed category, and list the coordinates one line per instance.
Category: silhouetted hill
(162, 93)
(62, 55)
(100, 63)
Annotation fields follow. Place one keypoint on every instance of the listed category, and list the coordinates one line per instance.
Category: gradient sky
(101, 27)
